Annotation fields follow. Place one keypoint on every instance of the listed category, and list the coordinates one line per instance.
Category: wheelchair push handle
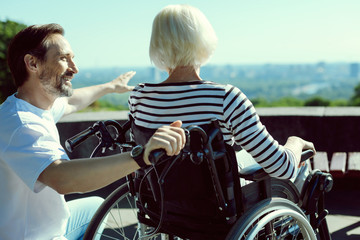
(156, 155)
(100, 130)
(79, 138)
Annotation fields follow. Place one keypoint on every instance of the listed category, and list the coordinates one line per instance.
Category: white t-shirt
(29, 142)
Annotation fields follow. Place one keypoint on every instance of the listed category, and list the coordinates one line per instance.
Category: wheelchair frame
(277, 210)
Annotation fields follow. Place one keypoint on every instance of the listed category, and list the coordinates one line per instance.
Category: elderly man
(35, 170)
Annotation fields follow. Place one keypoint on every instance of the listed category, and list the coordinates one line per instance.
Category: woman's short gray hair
(181, 36)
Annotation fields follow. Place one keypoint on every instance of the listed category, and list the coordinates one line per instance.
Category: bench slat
(321, 161)
(354, 164)
(338, 164)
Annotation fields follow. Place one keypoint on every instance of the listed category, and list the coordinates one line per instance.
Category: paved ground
(343, 203)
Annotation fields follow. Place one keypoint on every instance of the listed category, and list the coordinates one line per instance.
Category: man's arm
(83, 97)
(84, 175)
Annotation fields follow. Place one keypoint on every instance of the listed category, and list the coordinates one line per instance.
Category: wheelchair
(198, 195)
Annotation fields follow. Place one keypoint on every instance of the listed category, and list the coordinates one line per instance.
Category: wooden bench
(342, 164)
(354, 164)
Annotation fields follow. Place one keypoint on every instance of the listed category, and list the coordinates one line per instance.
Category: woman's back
(197, 102)
(194, 103)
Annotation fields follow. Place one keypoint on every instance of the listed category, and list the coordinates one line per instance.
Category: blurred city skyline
(116, 33)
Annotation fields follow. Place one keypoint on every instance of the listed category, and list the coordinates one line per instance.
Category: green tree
(355, 99)
(8, 29)
(317, 101)
(339, 103)
(260, 102)
(288, 101)
(103, 105)
(282, 102)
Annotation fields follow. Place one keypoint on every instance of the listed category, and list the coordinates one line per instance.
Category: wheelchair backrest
(193, 194)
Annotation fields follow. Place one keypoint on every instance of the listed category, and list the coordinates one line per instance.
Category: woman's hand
(297, 145)
(170, 138)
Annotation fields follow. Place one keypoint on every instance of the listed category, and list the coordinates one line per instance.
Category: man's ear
(31, 63)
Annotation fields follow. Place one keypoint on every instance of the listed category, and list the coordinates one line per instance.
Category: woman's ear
(31, 63)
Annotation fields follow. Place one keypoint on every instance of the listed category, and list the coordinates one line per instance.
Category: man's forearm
(83, 97)
(84, 175)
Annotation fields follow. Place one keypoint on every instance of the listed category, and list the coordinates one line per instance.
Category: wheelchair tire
(273, 218)
(118, 216)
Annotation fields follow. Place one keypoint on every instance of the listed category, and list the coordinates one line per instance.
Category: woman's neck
(183, 74)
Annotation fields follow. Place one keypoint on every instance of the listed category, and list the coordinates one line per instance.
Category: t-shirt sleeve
(30, 150)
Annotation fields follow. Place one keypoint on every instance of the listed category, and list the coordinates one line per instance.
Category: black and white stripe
(197, 102)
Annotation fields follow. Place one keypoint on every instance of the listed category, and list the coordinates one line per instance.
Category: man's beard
(59, 88)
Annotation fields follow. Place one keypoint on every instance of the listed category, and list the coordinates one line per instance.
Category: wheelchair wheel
(274, 218)
(116, 218)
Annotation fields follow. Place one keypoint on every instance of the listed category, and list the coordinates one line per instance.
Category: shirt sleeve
(244, 122)
(30, 150)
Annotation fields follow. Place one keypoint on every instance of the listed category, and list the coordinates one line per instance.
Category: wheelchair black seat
(196, 195)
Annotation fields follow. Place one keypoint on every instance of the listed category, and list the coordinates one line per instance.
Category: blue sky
(107, 33)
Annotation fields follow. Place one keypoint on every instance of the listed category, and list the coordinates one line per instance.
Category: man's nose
(73, 67)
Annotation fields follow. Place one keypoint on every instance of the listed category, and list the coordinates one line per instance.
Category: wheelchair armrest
(253, 173)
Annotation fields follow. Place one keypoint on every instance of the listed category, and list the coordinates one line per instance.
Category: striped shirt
(198, 102)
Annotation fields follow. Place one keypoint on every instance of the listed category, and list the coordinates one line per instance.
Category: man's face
(58, 69)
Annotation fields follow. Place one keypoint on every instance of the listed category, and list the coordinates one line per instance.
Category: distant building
(320, 67)
(156, 74)
(354, 70)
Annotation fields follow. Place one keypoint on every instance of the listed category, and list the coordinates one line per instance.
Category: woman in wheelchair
(182, 40)
(197, 194)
